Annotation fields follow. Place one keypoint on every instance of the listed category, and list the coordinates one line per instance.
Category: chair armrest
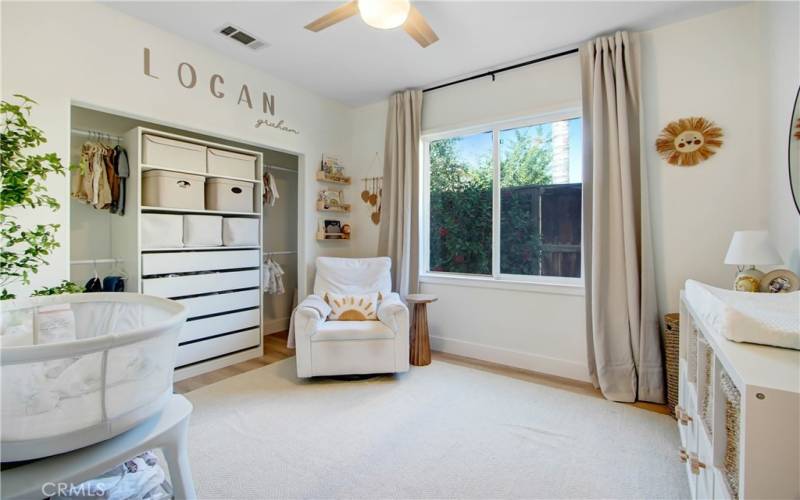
(309, 313)
(313, 309)
(391, 311)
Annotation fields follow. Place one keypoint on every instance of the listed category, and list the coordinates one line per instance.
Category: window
(505, 201)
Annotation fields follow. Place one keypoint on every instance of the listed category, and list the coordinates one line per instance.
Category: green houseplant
(22, 185)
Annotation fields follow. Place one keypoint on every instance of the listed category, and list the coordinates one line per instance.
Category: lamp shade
(752, 248)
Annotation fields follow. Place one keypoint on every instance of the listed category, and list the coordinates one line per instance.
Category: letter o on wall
(192, 74)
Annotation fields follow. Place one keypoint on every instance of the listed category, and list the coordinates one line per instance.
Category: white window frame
(557, 284)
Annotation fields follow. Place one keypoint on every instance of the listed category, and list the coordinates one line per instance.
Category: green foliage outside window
(461, 206)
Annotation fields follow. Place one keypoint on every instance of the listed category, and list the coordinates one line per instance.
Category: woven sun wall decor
(688, 141)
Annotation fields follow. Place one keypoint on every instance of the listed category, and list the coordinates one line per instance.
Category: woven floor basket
(671, 346)
(732, 422)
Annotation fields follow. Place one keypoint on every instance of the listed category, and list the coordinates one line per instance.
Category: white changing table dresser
(755, 454)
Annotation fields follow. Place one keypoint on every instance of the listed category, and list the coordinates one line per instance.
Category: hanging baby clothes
(277, 272)
(101, 194)
(122, 168)
(113, 179)
(97, 182)
(273, 278)
(83, 182)
(270, 190)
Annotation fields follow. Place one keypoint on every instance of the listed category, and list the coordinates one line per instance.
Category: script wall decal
(188, 78)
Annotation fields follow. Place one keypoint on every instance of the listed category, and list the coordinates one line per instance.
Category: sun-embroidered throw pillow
(353, 307)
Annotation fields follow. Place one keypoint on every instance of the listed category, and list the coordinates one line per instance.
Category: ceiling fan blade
(418, 28)
(336, 15)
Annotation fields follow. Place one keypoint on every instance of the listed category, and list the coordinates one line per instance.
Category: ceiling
(355, 64)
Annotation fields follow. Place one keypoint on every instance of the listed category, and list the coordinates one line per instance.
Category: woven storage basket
(691, 356)
(732, 423)
(671, 350)
(707, 362)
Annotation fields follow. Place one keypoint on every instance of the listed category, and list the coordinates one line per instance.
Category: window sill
(573, 286)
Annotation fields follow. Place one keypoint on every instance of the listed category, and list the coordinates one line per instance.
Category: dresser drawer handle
(695, 463)
(682, 416)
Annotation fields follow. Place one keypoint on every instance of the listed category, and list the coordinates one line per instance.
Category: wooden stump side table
(420, 341)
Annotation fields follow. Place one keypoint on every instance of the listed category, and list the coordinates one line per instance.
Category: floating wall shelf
(332, 236)
(344, 208)
(323, 177)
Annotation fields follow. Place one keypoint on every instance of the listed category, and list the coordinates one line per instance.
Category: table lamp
(747, 250)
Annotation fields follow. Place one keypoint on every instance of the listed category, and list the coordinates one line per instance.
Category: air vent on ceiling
(240, 36)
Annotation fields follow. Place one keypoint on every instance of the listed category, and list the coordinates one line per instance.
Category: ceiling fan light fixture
(384, 14)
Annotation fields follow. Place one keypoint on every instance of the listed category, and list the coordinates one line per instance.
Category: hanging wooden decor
(688, 141)
(376, 215)
(365, 192)
(374, 197)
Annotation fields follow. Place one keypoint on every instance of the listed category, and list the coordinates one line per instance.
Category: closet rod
(94, 261)
(283, 252)
(494, 72)
(96, 133)
(270, 167)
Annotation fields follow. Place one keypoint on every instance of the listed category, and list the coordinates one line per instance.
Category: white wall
(524, 327)
(64, 52)
(369, 130)
(781, 60)
(548, 86)
(529, 329)
(706, 66)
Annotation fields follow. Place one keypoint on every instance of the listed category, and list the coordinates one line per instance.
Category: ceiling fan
(382, 14)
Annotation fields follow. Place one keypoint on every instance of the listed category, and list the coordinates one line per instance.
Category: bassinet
(79, 369)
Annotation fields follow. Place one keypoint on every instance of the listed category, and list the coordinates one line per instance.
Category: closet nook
(280, 238)
(195, 229)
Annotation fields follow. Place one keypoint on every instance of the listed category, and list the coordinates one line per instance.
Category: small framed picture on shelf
(331, 198)
(333, 230)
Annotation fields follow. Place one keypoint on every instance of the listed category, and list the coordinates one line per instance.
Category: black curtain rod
(501, 70)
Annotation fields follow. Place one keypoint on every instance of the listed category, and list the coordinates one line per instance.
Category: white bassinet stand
(165, 430)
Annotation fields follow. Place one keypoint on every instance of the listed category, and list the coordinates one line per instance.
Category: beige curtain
(622, 317)
(399, 232)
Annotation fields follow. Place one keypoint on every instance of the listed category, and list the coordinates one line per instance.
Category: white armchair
(352, 347)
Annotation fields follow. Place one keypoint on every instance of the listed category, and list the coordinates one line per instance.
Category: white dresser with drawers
(220, 285)
(738, 414)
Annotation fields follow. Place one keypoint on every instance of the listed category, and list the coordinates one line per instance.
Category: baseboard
(271, 326)
(509, 357)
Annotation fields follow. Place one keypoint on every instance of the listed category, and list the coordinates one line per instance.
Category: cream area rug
(440, 431)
